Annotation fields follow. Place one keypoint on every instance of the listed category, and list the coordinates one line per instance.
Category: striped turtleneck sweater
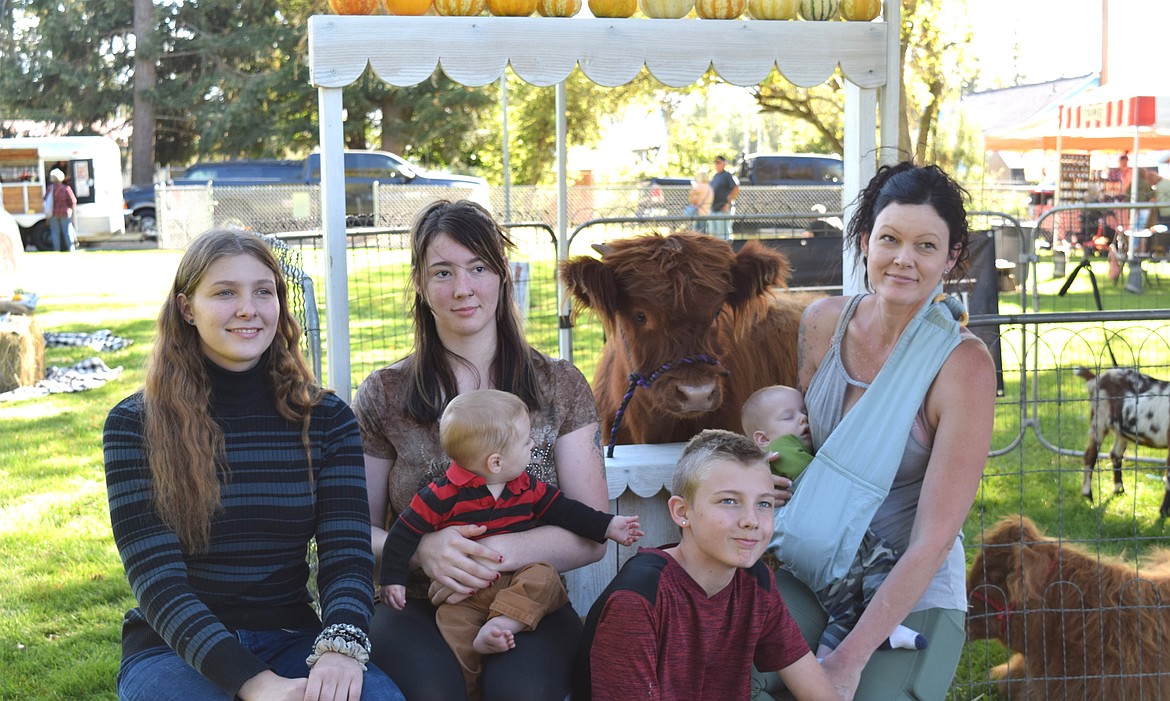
(254, 574)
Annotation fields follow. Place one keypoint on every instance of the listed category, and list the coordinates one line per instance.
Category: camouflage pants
(845, 599)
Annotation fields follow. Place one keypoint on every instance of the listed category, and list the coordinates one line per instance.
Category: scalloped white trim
(544, 50)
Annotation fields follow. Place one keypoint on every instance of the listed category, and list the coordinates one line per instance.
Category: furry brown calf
(1133, 407)
(693, 323)
(1081, 626)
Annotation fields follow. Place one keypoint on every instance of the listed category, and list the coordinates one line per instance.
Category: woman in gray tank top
(910, 230)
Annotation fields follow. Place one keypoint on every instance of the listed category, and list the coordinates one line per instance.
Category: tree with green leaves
(211, 79)
(933, 71)
(532, 124)
(67, 62)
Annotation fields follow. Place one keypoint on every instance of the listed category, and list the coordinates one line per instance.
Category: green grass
(64, 591)
(64, 588)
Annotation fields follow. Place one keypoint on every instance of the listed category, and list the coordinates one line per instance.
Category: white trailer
(93, 169)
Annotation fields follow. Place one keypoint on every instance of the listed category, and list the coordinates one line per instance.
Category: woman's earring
(684, 522)
(191, 321)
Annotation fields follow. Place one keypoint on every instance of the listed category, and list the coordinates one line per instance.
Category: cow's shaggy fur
(1133, 407)
(1082, 626)
(663, 299)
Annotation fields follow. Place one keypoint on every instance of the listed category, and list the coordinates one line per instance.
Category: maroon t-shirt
(654, 634)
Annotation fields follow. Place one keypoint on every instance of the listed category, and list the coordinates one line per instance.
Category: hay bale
(22, 353)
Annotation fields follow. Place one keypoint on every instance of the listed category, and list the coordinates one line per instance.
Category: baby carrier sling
(834, 500)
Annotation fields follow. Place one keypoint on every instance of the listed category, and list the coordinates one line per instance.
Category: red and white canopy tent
(1100, 119)
(1106, 118)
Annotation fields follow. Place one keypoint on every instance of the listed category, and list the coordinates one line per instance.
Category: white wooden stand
(544, 51)
(638, 477)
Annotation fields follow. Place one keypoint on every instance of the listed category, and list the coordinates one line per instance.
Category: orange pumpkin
(613, 8)
(460, 8)
(773, 9)
(558, 8)
(409, 8)
(511, 8)
(720, 9)
(355, 7)
(665, 9)
(860, 10)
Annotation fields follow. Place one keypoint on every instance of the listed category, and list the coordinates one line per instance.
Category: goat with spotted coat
(1133, 407)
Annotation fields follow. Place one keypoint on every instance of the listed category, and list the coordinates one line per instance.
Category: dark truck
(801, 182)
(362, 170)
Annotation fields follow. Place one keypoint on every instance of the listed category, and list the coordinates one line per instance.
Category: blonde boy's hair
(703, 451)
(478, 423)
(751, 416)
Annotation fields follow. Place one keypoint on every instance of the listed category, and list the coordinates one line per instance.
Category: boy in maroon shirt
(688, 621)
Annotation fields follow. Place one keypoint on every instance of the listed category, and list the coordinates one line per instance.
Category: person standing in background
(726, 189)
(60, 212)
(701, 197)
(1160, 187)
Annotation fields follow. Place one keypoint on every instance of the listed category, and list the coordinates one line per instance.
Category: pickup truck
(362, 170)
(796, 182)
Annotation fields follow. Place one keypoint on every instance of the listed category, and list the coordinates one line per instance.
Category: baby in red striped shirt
(486, 433)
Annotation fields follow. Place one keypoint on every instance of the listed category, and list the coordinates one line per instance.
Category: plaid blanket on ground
(90, 373)
(103, 340)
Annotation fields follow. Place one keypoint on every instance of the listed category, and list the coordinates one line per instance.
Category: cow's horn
(603, 248)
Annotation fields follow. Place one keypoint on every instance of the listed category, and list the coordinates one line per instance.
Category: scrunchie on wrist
(344, 638)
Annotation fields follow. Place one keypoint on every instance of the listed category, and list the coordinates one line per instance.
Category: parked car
(139, 210)
(663, 197)
(791, 169)
(362, 169)
(255, 172)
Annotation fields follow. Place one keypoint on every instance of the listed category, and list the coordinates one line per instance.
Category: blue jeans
(720, 225)
(61, 233)
(159, 673)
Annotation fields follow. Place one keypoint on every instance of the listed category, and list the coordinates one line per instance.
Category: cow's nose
(695, 397)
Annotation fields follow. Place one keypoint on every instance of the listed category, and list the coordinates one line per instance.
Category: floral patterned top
(413, 448)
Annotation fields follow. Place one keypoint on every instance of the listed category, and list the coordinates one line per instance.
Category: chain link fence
(185, 211)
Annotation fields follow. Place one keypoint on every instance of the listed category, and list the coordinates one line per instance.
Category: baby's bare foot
(493, 638)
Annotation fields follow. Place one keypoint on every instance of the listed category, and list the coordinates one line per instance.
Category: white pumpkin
(665, 9)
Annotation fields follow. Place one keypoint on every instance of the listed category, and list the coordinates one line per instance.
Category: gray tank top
(824, 402)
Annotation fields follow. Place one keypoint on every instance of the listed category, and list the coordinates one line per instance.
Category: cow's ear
(757, 268)
(591, 282)
(1027, 581)
(1037, 563)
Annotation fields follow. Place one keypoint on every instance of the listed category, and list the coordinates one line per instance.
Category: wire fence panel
(1085, 598)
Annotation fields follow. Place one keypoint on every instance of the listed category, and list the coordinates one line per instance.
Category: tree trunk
(926, 121)
(142, 140)
(393, 114)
